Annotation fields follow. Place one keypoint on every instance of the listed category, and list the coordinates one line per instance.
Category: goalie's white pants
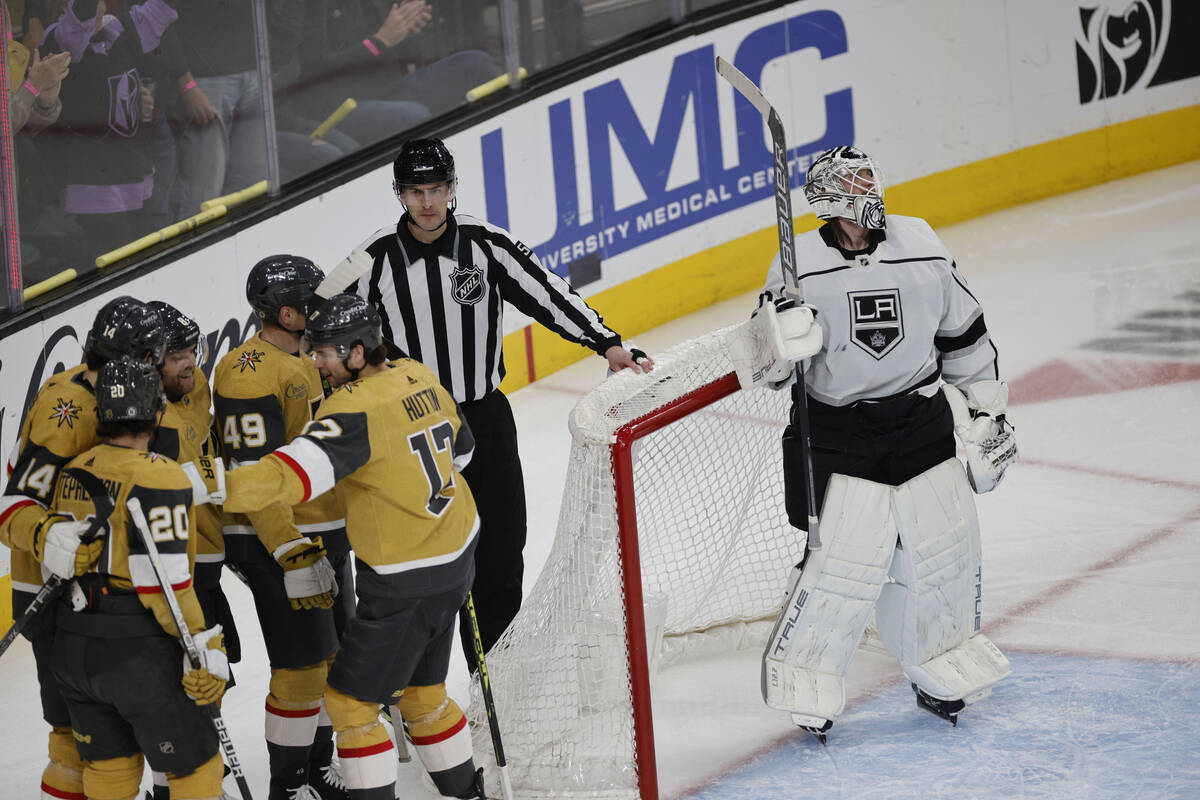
(924, 535)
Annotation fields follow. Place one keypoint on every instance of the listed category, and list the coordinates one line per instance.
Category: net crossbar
(672, 536)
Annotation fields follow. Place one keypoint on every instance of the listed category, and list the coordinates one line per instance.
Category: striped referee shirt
(443, 302)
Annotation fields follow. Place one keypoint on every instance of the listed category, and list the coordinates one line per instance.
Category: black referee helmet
(422, 161)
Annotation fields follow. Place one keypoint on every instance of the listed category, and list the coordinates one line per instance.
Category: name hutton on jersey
(421, 403)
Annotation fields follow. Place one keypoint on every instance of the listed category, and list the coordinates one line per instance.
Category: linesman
(439, 282)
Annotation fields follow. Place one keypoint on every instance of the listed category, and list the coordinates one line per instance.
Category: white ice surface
(1091, 550)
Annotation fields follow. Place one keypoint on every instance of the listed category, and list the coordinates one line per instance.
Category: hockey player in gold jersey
(185, 434)
(60, 424)
(392, 441)
(117, 657)
(265, 392)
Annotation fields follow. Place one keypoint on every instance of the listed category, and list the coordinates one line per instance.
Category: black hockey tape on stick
(787, 260)
(485, 683)
(138, 517)
(104, 506)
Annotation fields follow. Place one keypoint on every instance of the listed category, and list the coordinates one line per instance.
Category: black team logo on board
(1121, 46)
(876, 323)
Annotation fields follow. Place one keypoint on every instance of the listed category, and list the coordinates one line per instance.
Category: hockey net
(672, 536)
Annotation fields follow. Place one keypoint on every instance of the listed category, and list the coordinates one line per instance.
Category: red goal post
(672, 536)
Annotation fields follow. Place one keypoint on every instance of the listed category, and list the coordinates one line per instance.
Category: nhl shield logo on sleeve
(877, 325)
(466, 285)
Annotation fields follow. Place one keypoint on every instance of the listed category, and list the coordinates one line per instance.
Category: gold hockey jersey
(394, 445)
(184, 434)
(263, 397)
(165, 494)
(60, 424)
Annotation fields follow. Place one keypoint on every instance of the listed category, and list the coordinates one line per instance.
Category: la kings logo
(876, 323)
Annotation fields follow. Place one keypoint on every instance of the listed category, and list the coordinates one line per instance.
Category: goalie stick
(138, 518)
(796, 598)
(787, 260)
(347, 271)
(104, 507)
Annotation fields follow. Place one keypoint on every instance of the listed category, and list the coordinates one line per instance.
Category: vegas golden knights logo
(876, 323)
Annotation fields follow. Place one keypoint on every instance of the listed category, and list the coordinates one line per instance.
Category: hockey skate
(814, 725)
(946, 709)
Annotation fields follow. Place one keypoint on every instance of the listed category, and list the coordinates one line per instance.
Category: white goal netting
(714, 552)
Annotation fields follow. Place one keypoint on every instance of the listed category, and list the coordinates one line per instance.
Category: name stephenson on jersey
(894, 320)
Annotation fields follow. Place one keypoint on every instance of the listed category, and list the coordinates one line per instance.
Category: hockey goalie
(897, 361)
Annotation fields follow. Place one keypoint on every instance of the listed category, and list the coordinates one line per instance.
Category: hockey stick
(104, 507)
(787, 260)
(485, 684)
(348, 270)
(185, 636)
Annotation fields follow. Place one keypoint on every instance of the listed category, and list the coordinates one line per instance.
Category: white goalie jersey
(895, 319)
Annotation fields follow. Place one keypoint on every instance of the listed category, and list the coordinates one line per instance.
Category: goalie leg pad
(931, 610)
(810, 648)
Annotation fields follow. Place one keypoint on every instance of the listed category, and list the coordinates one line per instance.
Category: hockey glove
(207, 475)
(792, 334)
(206, 683)
(987, 437)
(59, 548)
(308, 576)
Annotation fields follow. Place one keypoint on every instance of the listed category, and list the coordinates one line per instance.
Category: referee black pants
(498, 486)
(889, 442)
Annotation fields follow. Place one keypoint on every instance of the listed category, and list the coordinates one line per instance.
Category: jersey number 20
(436, 437)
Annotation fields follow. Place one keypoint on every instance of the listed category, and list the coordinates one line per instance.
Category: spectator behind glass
(99, 140)
(222, 144)
(33, 88)
(298, 151)
(355, 49)
(33, 84)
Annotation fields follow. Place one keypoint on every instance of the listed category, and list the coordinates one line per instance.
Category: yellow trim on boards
(981, 187)
(6, 598)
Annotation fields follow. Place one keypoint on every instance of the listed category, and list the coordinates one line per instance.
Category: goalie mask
(844, 182)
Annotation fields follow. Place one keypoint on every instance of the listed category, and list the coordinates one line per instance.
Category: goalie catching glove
(207, 475)
(59, 547)
(308, 577)
(979, 421)
(205, 682)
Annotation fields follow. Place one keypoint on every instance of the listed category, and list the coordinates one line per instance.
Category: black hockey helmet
(181, 332)
(128, 391)
(126, 326)
(343, 321)
(422, 161)
(283, 280)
